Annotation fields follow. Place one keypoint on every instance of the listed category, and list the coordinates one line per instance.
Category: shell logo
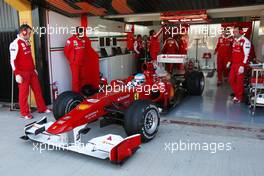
(83, 106)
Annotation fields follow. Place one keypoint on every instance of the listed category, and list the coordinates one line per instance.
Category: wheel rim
(151, 121)
(72, 105)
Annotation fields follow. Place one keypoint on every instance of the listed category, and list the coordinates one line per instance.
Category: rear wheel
(142, 117)
(195, 83)
(65, 102)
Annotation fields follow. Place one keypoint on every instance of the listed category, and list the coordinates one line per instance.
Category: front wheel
(65, 102)
(142, 117)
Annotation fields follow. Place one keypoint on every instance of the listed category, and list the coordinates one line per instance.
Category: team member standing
(25, 73)
(139, 50)
(154, 47)
(224, 51)
(240, 53)
(183, 44)
(170, 47)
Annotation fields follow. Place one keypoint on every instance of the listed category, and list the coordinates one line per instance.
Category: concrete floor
(17, 157)
(217, 105)
(245, 156)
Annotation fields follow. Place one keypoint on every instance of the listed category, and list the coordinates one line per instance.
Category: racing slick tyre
(142, 117)
(65, 102)
(88, 90)
(195, 83)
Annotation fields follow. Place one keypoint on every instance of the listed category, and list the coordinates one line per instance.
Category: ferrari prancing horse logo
(136, 96)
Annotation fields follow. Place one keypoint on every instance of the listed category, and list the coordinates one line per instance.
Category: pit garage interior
(211, 117)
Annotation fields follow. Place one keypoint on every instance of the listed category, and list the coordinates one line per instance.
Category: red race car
(135, 103)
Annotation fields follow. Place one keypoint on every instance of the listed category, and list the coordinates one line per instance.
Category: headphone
(241, 32)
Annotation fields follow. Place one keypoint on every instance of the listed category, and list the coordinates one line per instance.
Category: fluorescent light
(173, 20)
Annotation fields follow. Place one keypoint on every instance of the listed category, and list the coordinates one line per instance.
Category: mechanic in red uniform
(170, 47)
(183, 44)
(75, 52)
(224, 51)
(154, 47)
(240, 53)
(25, 73)
(139, 52)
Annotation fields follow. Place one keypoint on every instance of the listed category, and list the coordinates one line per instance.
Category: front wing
(111, 146)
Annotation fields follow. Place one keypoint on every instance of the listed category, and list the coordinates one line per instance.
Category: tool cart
(256, 92)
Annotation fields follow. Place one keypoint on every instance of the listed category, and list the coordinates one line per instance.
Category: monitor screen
(114, 41)
(102, 42)
(107, 42)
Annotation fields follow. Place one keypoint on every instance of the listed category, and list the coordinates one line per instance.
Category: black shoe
(232, 94)
(237, 101)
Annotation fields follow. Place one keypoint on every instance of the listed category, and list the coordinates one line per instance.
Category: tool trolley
(256, 90)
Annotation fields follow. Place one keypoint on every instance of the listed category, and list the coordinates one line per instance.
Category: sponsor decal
(124, 97)
(109, 138)
(93, 114)
(92, 100)
(75, 43)
(66, 117)
(60, 122)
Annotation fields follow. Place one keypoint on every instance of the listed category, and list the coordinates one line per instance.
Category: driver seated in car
(139, 79)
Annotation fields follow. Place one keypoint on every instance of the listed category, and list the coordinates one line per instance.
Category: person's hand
(241, 70)
(228, 64)
(36, 71)
(19, 79)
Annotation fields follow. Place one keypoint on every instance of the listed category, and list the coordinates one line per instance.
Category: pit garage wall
(119, 66)
(59, 68)
(115, 67)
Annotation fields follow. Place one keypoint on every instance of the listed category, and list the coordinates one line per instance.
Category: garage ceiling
(117, 7)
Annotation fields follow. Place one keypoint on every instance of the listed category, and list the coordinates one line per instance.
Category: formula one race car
(135, 103)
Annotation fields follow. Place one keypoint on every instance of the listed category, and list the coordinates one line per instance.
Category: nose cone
(59, 127)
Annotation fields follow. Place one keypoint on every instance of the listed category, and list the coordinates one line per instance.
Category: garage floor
(216, 105)
(18, 157)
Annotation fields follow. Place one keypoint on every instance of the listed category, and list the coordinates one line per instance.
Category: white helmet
(139, 78)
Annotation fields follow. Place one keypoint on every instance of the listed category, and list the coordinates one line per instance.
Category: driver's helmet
(139, 79)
